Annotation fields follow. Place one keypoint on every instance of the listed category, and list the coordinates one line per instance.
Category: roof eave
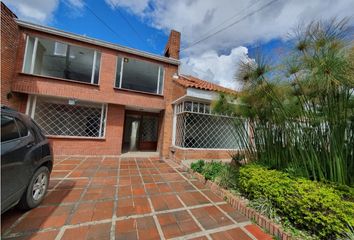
(94, 41)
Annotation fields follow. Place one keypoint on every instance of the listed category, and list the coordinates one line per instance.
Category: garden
(295, 131)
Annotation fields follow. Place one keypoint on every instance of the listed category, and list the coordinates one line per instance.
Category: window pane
(28, 55)
(22, 128)
(97, 68)
(207, 108)
(187, 106)
(56, 59)
(9, 129)
(149, 128)
(119, 67)
(57, 117)
(206, 131)
(201, 108)
(161, 81)
(140, 75)
(195, 107)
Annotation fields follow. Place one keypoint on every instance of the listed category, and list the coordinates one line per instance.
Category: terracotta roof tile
(193, 82)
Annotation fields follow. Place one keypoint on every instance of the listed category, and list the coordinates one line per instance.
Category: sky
(216, 35)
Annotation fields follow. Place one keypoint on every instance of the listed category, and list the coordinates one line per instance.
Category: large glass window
(68, 117)
(139, 75)
(51, 58)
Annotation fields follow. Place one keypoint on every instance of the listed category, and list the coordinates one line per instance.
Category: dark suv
(26, 161)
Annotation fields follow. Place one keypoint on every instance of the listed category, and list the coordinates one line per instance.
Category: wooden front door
(148, 133)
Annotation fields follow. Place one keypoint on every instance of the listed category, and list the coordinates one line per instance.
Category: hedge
(309, 205)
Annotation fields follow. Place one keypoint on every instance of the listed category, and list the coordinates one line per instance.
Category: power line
(131, 26)
(232, 17)
(106, 25)
(230, 25)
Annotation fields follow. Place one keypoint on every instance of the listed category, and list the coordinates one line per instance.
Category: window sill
(136, 91)
(60, 79)
(75, 137)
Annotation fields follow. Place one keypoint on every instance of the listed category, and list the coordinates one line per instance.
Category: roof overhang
(94, 41)
(199, 95)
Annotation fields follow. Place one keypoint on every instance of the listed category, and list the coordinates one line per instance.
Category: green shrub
(198, 166)
(227, 177)
(212, 169)
(309, 205)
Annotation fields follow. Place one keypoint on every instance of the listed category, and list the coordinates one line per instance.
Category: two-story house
(97, 98)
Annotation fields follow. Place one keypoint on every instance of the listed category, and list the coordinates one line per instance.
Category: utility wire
(106, 25)
(131, 26)
(232, 17)
(230, 25)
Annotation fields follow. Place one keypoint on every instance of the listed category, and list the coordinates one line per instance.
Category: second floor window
(139, 75)
(51, 58)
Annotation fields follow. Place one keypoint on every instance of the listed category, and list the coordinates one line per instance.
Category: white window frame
(34, 53)
(161, 68)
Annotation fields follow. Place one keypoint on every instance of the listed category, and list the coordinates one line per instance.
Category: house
(97, 98)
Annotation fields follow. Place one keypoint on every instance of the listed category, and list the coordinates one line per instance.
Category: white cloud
(41, 11)
(76, 3)
(134, 6)
(216, 68)
(38, 11)
(193, 18)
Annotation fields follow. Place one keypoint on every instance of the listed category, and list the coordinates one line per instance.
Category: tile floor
(127, 198)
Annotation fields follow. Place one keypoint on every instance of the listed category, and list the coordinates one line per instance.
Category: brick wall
(179, 154)
(105, 92)
(111, 145)
(173, 45)
(9, 46)
(14, 40)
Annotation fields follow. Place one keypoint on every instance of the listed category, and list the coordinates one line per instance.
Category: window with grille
(59, 118)
(197, 127)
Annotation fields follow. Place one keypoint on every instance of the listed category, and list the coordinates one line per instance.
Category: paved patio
(127, 198)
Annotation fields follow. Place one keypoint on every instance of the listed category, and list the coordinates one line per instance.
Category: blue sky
(147, 38)
(264, 23)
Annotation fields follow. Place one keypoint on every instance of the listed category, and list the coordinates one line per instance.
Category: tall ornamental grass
(301, 113)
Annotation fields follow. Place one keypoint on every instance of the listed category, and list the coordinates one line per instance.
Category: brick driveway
(127, 198)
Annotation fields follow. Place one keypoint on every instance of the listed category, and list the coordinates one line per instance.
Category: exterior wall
(176, 91)
(103, 93)
(111, 145)
(9, 45)
(179, 154)
(16, 86)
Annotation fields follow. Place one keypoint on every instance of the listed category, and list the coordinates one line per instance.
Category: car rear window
(9, 130)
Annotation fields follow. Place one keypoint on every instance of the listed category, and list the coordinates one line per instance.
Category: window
(197, 107)
(139, 75)
(64, 117)
(48, 57)
(9, 130)
(196, 127)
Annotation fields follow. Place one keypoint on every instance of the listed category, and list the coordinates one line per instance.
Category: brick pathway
(127, 198)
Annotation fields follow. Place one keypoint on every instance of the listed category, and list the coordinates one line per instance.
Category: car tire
(36, 189)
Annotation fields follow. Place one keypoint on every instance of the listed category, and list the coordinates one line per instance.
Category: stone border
(240, 204)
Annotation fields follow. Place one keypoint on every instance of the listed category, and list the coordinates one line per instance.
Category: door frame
(141, 115)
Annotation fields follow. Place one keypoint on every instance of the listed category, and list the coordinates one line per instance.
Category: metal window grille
(57, 117)
(201, 130)
(149, 128)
